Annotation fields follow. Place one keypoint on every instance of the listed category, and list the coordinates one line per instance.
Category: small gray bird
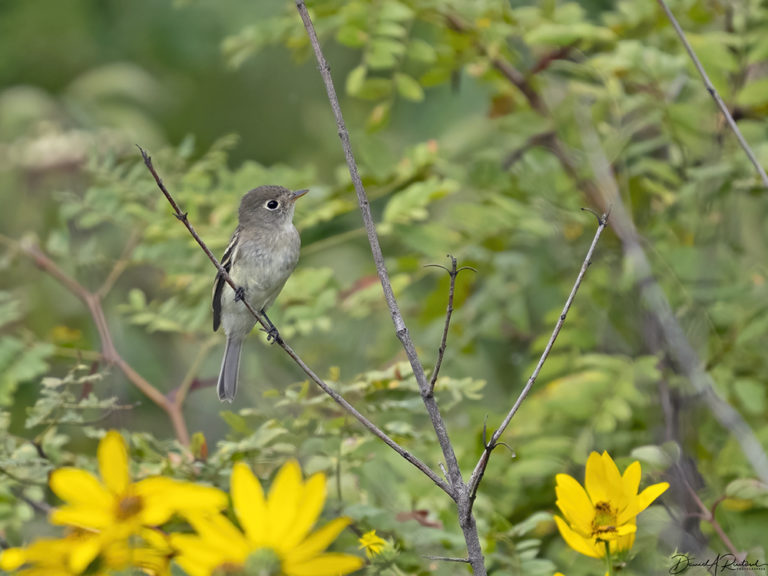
(260, 257)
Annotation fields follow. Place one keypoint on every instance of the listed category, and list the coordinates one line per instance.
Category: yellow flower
(275, 536)
(118, 507)
(82, 551)
(371, 543)
(606, 512)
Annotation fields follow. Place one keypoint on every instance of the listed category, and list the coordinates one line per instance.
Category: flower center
(128, 506)
(604, 522)
(263, 562)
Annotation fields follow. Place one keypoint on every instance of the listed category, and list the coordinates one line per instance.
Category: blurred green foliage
(456, 159)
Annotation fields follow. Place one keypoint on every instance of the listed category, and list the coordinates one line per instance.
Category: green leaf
(10, 309)
(355, 80)
(409, 88)
(421, 51)
(551, 34)
(351, 36)
(410, 204)
(754, 94)
(749, 489)
(383, 53)
(375, 89)
(393, 10)
(391, 29)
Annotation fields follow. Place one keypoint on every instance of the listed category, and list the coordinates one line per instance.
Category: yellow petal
(195, 557)
(631, 478)
(12, 558)
(220, 535)
(76, 486)
(613, 482)
(574, 503)
(82, 516)
(650, 494)
(311, 507)
(624, 542)
(325, 565)
(162, 497)
(113, 462)
(576, 541)
(249, 505)
(83, 551)
(285, 497)
(318, 541)
(594, 479)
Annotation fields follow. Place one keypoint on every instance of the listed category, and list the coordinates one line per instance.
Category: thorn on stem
(182, 217)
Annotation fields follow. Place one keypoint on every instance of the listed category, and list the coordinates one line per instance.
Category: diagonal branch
(453, 473)
(714, 93)
(182, 216)
(479, 470)
(108, 350)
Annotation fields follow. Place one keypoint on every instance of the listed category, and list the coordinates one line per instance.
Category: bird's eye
(272, 204)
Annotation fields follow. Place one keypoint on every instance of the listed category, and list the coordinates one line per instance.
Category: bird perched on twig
(261, 255)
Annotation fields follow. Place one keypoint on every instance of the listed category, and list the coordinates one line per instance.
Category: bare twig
(708, 515)
(452, 272)
(108, 350)
(454, 474)
(182, 216)
(457, 487)
(714, 93)
(446, 558)
(483, 461)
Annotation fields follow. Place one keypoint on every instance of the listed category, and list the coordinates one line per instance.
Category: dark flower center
(128, 506)
(604, 521)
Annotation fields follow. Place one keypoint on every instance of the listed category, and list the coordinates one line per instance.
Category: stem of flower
(608, 558)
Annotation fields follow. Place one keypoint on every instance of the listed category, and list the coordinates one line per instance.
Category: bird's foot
(239, 294)
(273, 335)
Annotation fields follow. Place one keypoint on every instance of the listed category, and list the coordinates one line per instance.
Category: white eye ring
(272, 205)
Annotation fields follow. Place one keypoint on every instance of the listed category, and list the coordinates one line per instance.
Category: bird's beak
(299, 193)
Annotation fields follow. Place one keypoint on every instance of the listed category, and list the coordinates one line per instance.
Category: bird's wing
(218, 284)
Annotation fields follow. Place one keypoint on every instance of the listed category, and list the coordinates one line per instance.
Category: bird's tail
(230, 366)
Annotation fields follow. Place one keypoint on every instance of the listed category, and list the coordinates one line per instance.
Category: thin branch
(446, 558)
(483, 461)
(709, 516)
(714, 93)
(454, 473)
(453, 272)
(182, 216)
(655, 299)
(108, 350)
(458, 489)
